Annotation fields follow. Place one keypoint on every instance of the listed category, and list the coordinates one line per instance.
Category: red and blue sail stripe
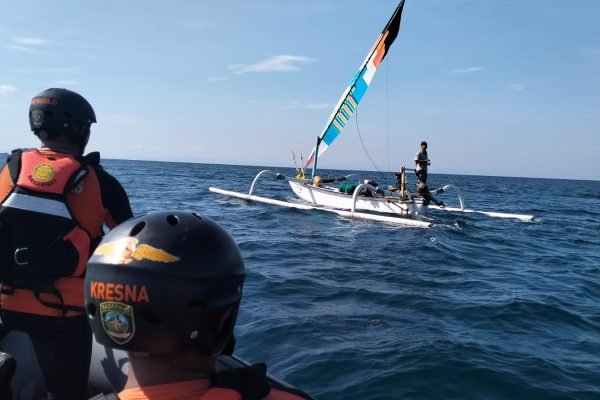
(358, 85)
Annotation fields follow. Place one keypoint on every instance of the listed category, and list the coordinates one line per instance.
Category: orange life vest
(200, 390)
(43, 244)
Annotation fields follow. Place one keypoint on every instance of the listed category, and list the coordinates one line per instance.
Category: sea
(473, 307)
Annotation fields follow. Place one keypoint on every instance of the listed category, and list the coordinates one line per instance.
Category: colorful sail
(358, 85)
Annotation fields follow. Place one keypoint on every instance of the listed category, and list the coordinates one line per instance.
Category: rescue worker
(166, 287)
(54, 202)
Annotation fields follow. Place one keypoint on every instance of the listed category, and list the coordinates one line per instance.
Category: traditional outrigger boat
(394, 209)
(364, 200)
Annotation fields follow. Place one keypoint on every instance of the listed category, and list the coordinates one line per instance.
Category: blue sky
(504, 87)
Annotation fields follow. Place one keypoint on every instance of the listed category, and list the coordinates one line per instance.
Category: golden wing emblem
(118, 251)
(147, 252)
(105, 248)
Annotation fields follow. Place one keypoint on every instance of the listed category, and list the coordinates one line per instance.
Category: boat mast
(402, 182)
(314, 168)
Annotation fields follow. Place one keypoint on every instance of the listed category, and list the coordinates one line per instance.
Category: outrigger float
(361, 199)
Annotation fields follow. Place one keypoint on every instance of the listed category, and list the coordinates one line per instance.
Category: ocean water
(473, 307)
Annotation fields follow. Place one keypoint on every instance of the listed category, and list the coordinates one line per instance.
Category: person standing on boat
(421, 163)
(54, 202)
(166, 287)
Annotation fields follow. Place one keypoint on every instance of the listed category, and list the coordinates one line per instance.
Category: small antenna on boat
(299, 170)
(302, 166)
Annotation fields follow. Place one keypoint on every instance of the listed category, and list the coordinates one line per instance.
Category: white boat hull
(333, 198)
(348, 214)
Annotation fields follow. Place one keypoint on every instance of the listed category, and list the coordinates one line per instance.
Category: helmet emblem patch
(117, 321)
(124, 250)
(43, 173)
(37, 118)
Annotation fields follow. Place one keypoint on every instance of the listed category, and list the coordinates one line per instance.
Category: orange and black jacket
(53, 207)
(201, 390)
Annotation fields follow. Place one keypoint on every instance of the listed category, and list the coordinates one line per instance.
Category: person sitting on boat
(400, 181)
(317, 181)
(377, 191)
(166, 287)
(421, 163)
(427, 196)
(54, 203)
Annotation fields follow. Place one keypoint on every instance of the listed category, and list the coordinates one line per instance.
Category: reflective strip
(38, 204)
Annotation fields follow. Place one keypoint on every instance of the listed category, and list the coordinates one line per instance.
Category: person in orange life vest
(54, 202)
(166, 287)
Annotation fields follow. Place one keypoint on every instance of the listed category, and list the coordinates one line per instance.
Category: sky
(500, 88)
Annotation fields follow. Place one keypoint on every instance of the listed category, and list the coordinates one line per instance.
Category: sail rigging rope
(365, 147)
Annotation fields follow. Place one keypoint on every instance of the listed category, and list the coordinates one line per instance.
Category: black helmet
(57, 111)
(164, 283)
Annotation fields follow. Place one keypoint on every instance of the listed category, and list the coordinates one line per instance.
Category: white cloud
(24, 49)
(468, 70)
(66, 69)
(517, 87)
(319, 105)
(280, 63)
(7, 89)
(313, 106)
(29, 41)
(196, 25)
(125, 120)
(27, 44)
(21, 48)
